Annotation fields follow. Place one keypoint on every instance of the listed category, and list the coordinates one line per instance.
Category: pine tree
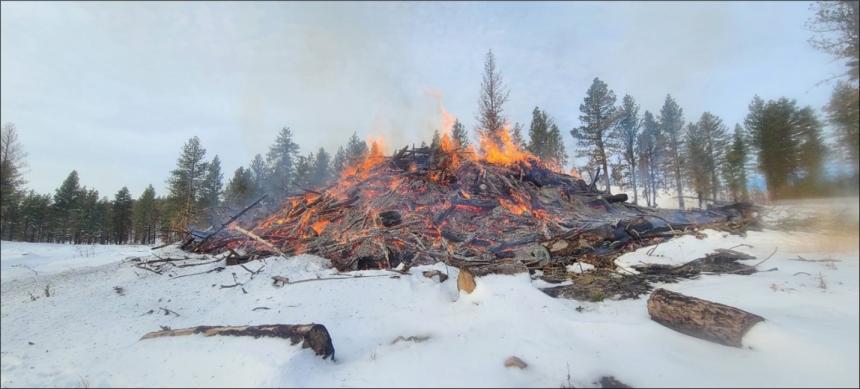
(843, 112)
(436, 141)
(811, 149)
(35, 214)
(104, 211)
(122, 213)
(303, 172)
(356, 150)
(716, 141)
(558, 155)
(626, 133)
(321, 173)
(184, 184)
(545, 140)
(696, 164)
(735, 168)
(598, 117)
(339, 161)
(651, 152)
(210, 192)
(282, 158)
(145, 217)
(491, 119)
(517, 136)
(539, 134)
(458, 132)
(11, 180)
(240, 189)
(260, 175)
(787, 141)
(66, 207)
(671, 125)
(91, 221)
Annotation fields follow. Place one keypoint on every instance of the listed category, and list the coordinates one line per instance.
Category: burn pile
(497, 210)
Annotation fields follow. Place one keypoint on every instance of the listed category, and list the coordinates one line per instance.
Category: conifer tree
(339, 161)
(122, 213)
(35, 214)
(491, 118)
(66, 207)
(715, 135)
(735, 169)
(517, 136)
(598, 116)
(321, 169)
(557, 150)
(145, 217)
(696, 164)
(436, 141)
(281, 159)
(11, 180)
(91, 228)
(811, 149)
(787, 141)
(303, 170)
(458, 132)
(260, 175)
(356, 150)
(240, 188)
(843, 112)
(184, 184)
(671, 126)
(210, 192)
(626, 134)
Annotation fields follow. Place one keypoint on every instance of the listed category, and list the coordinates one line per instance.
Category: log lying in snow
(313, 336)
(701, 318)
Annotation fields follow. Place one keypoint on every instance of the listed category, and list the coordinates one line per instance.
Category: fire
(575, 173)
(516, 208)
(374, 157)
(319, 226)
(504, 151)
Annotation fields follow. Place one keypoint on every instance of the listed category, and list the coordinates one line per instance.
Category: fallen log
(313, 336)
(701, 318)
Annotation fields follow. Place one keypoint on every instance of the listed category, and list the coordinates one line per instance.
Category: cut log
(313, 336)
(701, 318)
(465, 281)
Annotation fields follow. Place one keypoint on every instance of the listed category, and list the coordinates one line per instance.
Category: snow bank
(48, 258)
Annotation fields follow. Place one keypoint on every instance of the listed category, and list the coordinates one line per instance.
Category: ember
(490, 211)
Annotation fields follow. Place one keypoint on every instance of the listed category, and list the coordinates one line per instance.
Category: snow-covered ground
(87, 334)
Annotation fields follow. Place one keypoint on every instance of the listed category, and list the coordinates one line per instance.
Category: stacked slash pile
(502, 211)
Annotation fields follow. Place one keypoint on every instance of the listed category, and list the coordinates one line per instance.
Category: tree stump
(701, 318)
(313, 336)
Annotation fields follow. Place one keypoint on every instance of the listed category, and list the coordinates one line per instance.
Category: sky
(113, 89)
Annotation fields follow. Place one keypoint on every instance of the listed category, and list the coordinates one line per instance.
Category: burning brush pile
(497, 209)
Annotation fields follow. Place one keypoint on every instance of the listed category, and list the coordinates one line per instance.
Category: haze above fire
(129, 83)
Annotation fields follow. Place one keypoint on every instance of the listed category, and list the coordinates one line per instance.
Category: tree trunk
(701, 318)
(313, 336)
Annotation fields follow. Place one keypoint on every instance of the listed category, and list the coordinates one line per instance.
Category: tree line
(622, 145)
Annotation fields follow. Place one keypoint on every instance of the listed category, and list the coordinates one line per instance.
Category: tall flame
(502, 151)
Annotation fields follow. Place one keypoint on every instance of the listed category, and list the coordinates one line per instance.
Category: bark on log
(701, 318)
(313, 336)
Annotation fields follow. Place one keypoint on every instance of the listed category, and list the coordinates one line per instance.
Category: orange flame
(374, 157)
(319, 226)
(502, 151)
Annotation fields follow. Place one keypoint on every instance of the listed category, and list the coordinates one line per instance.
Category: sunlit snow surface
(86, 334)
